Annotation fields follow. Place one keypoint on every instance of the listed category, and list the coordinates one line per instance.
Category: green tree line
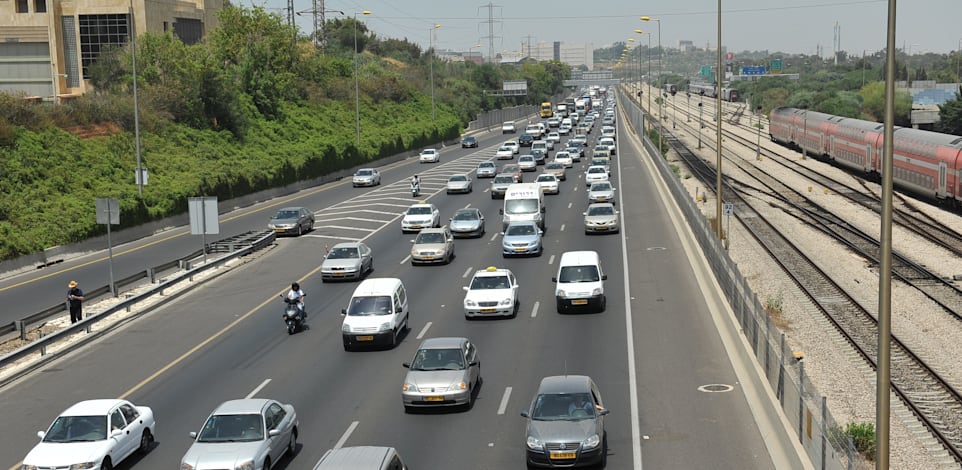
(253, 106)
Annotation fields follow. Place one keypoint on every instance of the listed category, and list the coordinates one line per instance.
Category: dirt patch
(95, 130)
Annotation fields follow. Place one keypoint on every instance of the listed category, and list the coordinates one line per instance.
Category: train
(926, 163)
(709, 90)
(670, 88)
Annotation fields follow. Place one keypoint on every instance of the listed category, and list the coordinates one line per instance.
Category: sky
(797, 26)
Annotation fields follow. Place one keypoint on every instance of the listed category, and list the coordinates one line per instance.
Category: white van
(378, 313)
(580, 282)
(534, 130)
(523, 201)
(361, 458)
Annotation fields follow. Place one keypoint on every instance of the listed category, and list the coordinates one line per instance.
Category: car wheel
(604, 303)
(394, 338)
(292, 445)
(267, 463)
(146, 441)
(300, 230)
(106, 464)
(517, 306)
(310, 228)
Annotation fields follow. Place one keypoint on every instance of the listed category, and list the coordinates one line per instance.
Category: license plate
(488, 310)
(280, 230)
(365, 338)
(563, 455)
(433, 398)
(338, 274)
(579, 302)
(520, 250)
(415, 226)
(602, 227)
(427, 257)
(602, 199)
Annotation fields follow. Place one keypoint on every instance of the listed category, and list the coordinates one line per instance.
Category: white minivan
(377, 315)
(579, 283)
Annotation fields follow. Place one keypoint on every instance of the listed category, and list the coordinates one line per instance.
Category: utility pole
(529, 44)
(490, 37)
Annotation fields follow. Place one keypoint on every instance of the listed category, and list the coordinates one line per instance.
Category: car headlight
(386, 326)
(245, 465)
(271, 226)
(82, 466)
(506, 301)
(534, 443)
(28, 467)
(591, 442)
(186, 466)
(457, 387)
(345, 328)
(560, 293)
(409, 388)
(596, 291)
(470, 303)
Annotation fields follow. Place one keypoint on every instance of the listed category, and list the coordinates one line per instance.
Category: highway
(226, 339)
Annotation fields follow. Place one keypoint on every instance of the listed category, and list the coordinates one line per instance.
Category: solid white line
(258, 389)
(551, 260)
(504, 400)
(423, 330)
(534, 310)
(405, 260)
(468, 271)
(562, 227)
(346, 435)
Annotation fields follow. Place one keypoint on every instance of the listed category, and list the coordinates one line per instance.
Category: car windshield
(343, 253)
(77, 429)
(438, 359)
(521, 206)
(579, 274)
(596, 170)
(504, 179)
(232, 428)
(427, 152)
(526, 158)
(601, 187)
(546, 178)
(553, 166)
(486, 165)
(458, 178)
(430, 237)
(511, 169)
(368, 306)
(601, 210)
(465, 215)
(562, 155)
(286, 214)
(490, 282)
(504, 149)
(420, 210)
(562, 407)
(364, 172)
(520, 230)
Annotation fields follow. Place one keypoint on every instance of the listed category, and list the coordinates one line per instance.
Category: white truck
(523, 201)
(562, 109)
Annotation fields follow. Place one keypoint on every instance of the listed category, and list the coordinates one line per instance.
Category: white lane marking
(562, 227)
(493, 236)
(405, 260)
(467, 206)
(424, 330)
(359, 219)
(258, 389)
(344, 227)
(346, 435)
(468, 271)
(551, 260)
(534, 310)
(504, 400)
(487, 189)
(569, 205)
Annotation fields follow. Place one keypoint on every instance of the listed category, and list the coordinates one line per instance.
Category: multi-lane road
(651, 352)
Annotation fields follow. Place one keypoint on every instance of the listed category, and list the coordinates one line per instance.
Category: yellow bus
(546, 110)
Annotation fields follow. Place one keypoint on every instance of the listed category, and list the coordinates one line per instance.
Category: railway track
(935, 403)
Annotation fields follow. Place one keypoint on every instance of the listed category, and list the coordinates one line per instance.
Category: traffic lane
(674, 333)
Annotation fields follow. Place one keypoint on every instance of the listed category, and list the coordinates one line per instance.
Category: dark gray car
(566, 424)
(292, 221)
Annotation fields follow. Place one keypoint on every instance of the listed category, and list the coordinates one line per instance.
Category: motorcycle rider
(297, 294)
(416, 185)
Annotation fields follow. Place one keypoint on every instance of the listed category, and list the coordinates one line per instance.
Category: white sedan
(548, 183)
(93, 434)
(595, 174)
(513, 145)
(564, 158)
(554, 137)
(493, 292)
(504, 153)
(429, 156)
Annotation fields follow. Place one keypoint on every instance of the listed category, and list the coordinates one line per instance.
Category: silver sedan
(444, 372)
(251, 433)
(601, 217)
(601, 191)
(348, 260)
(459, 184)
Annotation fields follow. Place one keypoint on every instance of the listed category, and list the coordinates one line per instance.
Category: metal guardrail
(40, 345)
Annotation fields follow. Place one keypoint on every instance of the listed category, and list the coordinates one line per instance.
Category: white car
(93, 434)
(429, 156)
(492, 292)
(420, 215)
(608, 131)
(608, 142)
(504, 153)
(564, 158)
(554, 138)
(459, 184)
(513, 145)
(549, 183)
(564, 130)
(527, 163)
(507, 127)
(595, 174)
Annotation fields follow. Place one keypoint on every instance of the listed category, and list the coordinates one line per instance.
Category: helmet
(295, 286)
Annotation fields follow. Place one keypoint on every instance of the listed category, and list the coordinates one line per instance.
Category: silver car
(527, 163)
(500, 185)
(366, 177)
(251, 433)
(350, 260)
(467, 222)
(601, 191)
(566, 424)
(601, 217)
(292, 221)
(444, 372)
(459, 184)
(521, 238)
(487, 170)
(556, 169)
(433, 245)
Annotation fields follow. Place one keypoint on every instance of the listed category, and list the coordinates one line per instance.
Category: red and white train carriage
(927, 163)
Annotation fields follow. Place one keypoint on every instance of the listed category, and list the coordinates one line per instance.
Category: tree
(950, 115)
(873, 104)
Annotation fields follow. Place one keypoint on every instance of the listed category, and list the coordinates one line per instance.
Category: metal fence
(823, 439)
(495, 117)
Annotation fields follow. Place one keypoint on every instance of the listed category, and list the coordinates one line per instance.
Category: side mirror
(40, 434)
(412, 241)
(474, 363)
(554, 279)
(604, 277)
(343, 311)
(524, 414)
(584, 213)
(117, 433)
(540, 233)
(274, 432)
(603, 411)
(192, 434)
(466, 288)
(406, 365)
(501, 211)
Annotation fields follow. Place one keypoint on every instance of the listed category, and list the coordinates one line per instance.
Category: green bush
(863, 437)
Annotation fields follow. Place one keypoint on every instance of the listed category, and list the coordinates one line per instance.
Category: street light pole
(133, 59)
(431, 42)
(661, 129)
(700, 124)
(688, 107)
(357, 88)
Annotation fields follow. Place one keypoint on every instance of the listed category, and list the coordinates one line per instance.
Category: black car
(539, 156)
(525, 140)
(469, 142)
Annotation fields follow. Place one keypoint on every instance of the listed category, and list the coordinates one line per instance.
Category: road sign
(775, 66)
(203, 215)
(706, 71)
(754, 70)
(728, 209)
(108, 211)
(729, 56)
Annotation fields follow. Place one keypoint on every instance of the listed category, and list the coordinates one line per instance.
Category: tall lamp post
(357, 88)
(649, 67)
(700, 123)
(661, 129)
(431, 42)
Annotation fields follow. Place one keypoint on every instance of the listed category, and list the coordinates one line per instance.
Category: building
(47, 45)
(568, 53)
(686, 45)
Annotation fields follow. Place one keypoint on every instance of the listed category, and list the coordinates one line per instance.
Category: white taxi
(492, 292)
(420, 215)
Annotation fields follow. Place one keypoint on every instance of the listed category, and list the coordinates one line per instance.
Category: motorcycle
(415, 190)
(293, 316)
